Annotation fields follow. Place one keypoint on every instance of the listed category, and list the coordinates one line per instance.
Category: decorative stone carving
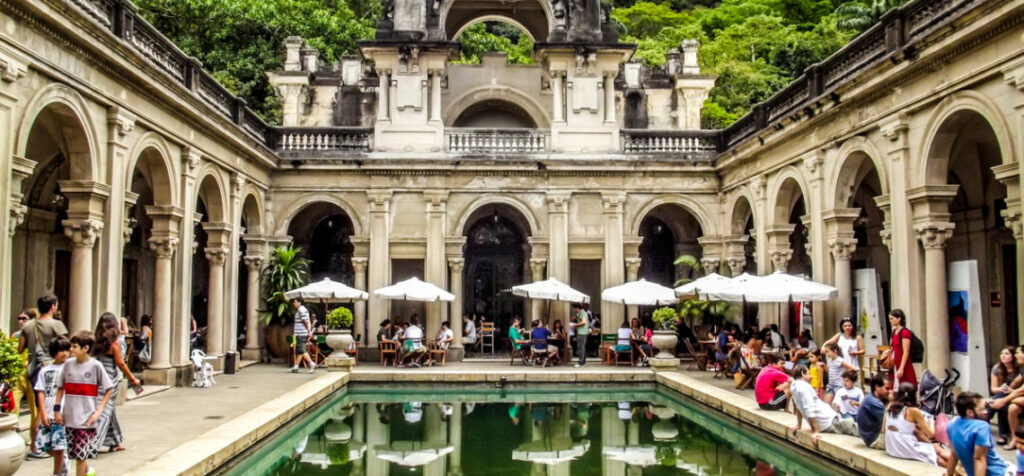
(121, 120)
(192, 158)
(11, 68)
(456, 264)
(536, 265)
(16, 219)
(163, 246)
(885, 234)
(934, 235)
(842, 249)
(254, 263)
(736, 264)
(710, 264)
(558, 202)
(1013, 221)
(359, 264)
(632, 266)
(780, 259)
(83, 233)
(216, 256)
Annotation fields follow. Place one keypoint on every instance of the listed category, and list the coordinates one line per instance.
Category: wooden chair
(605, 351)
(520, 352)
(616, 354)
(749, 374)
(434, 349)
(700, 359)
(486, 336)
(534, 351)
(388, 351)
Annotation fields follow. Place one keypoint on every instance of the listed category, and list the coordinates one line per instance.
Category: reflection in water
(521, 438)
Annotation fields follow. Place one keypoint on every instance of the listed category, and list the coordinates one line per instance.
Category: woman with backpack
(899, 350)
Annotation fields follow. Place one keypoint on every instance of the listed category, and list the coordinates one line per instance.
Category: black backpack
(916, 348)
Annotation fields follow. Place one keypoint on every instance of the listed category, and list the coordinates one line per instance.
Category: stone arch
(789, 186)
(253, 212)
(505, 94)
(941, 132)
(293, 208)
(72, 112)
(529, 222)
(213, 191)
(857, 158)
(492, 17)
(685, 202)
(455, 18)
(740, 205)
(151, 156)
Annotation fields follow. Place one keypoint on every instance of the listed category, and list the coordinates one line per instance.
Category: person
(468, 331)
(909, 433)
(582, 326)
(515, 336)
(540, 332)
(303, 332)
(1003, 375)
(384, 331)
(122, 335)
(772, 386)
(50, 436)
(79, 384)
(818, 369)
(819, 415)
(899, 349)
(848, 397)
(37, 334)
(108, 352)
(804, 344)
(412, 347)
(445, 338)
(778, 342)
(594, 326)
(836, 366)
(850, 343)
(623, 337)
(722, 343)
(23, 388)
(558, 335)
(638, 337)
(971, 439)
(871, 412)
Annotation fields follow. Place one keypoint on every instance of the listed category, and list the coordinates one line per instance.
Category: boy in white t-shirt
(84, 388)
(849, 396)
(50, 436)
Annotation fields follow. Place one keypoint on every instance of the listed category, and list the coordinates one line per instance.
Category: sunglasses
(22, 318)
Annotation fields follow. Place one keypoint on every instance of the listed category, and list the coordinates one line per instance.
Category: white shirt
(806, 400)
(470, 330)
(847, 345)
(445, 339)
(776, 340)
(414, 333)
(846, 395)
(624, 334)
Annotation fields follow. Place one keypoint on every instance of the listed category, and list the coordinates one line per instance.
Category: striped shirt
(301, 319)
(84, 385)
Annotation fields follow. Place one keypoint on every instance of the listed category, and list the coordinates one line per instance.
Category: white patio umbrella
(703, 285)
(632, 455)
(413, 289)
(640, 293)
(550, 289)
(776, 287)
(550, 451)
(412, 453)
(327, 291)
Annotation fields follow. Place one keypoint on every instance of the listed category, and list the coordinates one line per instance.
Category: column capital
(558, 201)
(12, 68)
(254, 262)
(121, 121)
(612, 202)
(1014, 76)
(17, 217)
(758, 185)
(537, 265)
(895, 126)
(632, 265)
(710, 264)
(163, 246)
(359, 264)
(780, 259)
(934, 235)
(379, 201)
(736, 264)
(216, 255)
(436, 201)
(83, 233)
(456, 264)
(812, 162)
(192, 157)
(842, 248)
(1013, 221)
(885, 234)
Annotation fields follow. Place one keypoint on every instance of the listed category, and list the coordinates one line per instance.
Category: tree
(857, 16)
(286, 270)
(497, 36)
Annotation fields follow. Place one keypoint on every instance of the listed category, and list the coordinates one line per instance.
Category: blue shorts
(52, 438)
(622, 348)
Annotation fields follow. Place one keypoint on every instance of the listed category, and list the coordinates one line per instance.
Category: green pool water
(529, 430)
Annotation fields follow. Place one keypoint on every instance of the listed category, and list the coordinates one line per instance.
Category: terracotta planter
(665, 342)
(12, 446)
(339, 340)
(276, 340)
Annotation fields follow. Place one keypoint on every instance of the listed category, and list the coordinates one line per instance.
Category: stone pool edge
(212, 449)
(846, 450)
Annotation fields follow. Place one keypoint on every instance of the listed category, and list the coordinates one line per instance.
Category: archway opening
(668, 231)
(859, 185)
(149, 182)
(495, 114)
(324, 232)
(530, 18)
(495, 253)
(742, 226)
(495, 34)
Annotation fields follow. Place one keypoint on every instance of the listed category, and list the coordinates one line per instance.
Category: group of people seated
(538, 345)
(409, 337)
(635, 335)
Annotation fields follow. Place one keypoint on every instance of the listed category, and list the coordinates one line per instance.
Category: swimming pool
(520, 430)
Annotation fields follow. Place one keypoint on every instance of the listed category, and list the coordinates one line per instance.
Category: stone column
(120, 124)
(83, 234)
(558, 247)
(558, 106)
(435, 95)
(842, 252)
(21, 169)
(215, 302)
(254, 263)
(380, 260)
(455, 439)
(537, 266)
(455, 266)
(612, 274)
(632, 274)
(164, 248)
(434, 262)
(383, 96)
(609, 97)
(359, 307)
(933, 236)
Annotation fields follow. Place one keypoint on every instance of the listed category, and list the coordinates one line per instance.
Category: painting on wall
(958, 306)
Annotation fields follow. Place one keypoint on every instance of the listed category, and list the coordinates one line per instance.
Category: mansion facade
(138, 185)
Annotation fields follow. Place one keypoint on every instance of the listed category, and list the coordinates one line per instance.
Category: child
(50, 436)
(81, 381)
(836, 366)
(815, 368)
(848, 398)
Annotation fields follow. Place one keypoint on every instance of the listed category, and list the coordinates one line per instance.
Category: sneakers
(578, 365)
(37, 455)
(294, 369)
(312, 367)
(415, 364)
(91, 472)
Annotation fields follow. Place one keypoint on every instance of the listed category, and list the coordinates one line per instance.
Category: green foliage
(286, 270)
(665, 318)
(339, 318)
(238, 41)
(495, 36)
(693, 265)
(338, 454)
(12, 362)
(858, 16)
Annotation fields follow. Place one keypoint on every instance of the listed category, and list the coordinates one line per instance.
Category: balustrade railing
(322, 139)
(686, 145)
(497, 141)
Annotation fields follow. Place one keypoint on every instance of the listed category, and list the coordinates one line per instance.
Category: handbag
(887, 362)
(40, 357)
(146, 354)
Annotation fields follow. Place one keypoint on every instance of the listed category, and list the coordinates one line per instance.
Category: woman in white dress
(907, 428)
(850, 342)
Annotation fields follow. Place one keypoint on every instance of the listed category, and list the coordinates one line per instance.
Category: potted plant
(339, 331)
(12, 369)
(286, 270)
(665, 338)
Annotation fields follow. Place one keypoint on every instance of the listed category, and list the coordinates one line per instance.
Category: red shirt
(767, 381)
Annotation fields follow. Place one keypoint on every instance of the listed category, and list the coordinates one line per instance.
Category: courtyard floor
(158, 423)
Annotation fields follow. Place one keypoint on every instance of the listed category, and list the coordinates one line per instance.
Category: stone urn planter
(665, 342)
(12, 446)
(339, 340)
(664, 430)
(338, 432)
(662, 412)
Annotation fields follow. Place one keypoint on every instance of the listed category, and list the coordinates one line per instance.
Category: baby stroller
(936, 396)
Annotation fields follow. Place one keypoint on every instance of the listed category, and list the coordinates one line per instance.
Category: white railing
(688, 144)
(324, 139)
(497, 141)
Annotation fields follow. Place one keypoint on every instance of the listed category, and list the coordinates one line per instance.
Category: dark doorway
(657, 252)
(494, 263)
(330, 250)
